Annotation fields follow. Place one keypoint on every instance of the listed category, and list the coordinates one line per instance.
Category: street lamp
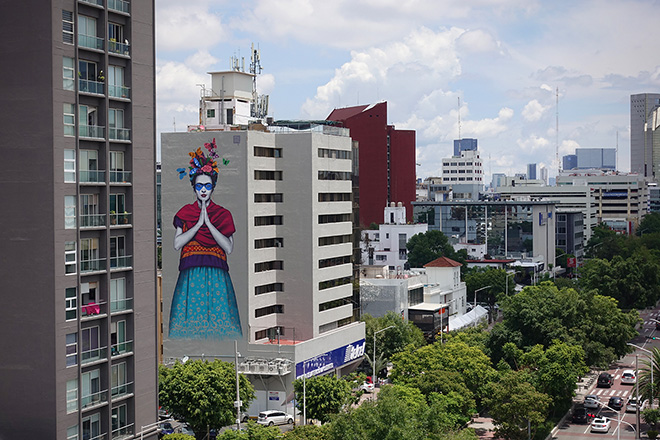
(554, 268)
(650, 366)
(475, 294)
(618, 428)
(373, 377)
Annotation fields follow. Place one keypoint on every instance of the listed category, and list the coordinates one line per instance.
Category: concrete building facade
(464, 174)
(79, 357)
(642, 160)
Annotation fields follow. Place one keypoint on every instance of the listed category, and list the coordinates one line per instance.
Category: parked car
(244, 417)
(628, 376)
(600, 424)
(591, 401)
(165, 428)
(579, 414)
(164, 413)
(367, 387)
(273, 417)
(605, 380)
(615, 402)
(185, 429)
(631, 405)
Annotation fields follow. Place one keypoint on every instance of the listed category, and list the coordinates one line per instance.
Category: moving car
(367, 387)
(628, 377)
(600, 424)
(591, 401)
(615, 403)
(631, 405)
(579, 414)
(605, 380)
(273, 417)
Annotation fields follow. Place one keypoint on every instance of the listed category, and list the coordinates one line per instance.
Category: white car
(600, 424)
(367, 387)
(631, 405)
(591, 401)
(273, 417)
(628, 377)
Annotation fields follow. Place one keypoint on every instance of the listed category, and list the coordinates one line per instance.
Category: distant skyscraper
(599, 158)
(466, 144)
(569, 162)
(531, 171)
(544, 174)
(498, 180)
(641, 148)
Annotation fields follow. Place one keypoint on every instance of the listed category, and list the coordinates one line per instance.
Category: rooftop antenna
(259, 107)
(459, 118)
(616, 153)
(557, 132)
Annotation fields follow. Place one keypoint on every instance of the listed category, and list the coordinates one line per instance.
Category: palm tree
(645, 376)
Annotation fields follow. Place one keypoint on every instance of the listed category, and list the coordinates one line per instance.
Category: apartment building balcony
(92, 176)
(121, 348)
(121, 305)
(91, 131)
(93, 309)
(119, 134)
(93, 355)
(123, 262)
(98, 437)
(90, 42)
(93, 87)
(121, 390)
(117, 48)
(92, 2)
(94, 400)
(120, 92)
(119, 6)
(123, 432)
(92, 265)
(120, 176)
(120, 219)
(92, 221)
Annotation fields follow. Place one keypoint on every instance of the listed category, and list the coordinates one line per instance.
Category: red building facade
(386, 160)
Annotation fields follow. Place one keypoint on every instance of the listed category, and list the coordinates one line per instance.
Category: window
(71, 303)
(334, 175)
(210, 113)
(69, 120)
(336, 239)
(88, 121)
(69, 166)
(91, 426)
(118, 295)
(118, 252)
(68, 73)
(67, 27)
(268, 198)
(268, 243)
(118, 338)
(89, 342)
(267, 152)
(87, 33)
(89, 254)
(117, 208)
(334, 218)
(415, 296)
(267, 175)
(268, 220)
(72, 432)
(334, 283)
(72, 398)
(89, 166)
(119, 382)
(117, 167)
(334, 197)
(71, 349)
(69, 257)
(336, 154)
(69, 212)
(271, 333)
(335, 261)
(88, 77)
(264, 311)
(266, 288)
(269, 265)
(334, 304)
(116, 129)
(119, 422)
(89, 210)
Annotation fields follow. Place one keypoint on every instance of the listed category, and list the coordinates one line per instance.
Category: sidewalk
(483, 427)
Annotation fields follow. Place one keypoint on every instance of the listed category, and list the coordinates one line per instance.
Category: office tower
(596, 158)
(78, 235)
(544, 174)
(464, 173)
(466, 144)
(569, 162)
(531, 171)
(386, 163)
(641, 142)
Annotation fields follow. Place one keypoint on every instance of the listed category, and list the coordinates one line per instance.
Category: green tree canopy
(203, 393)
(309, 432)
(426, 247)
(252, 431)
(325, 395)
(650, 224)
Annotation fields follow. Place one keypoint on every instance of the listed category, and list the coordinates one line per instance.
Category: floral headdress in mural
(203, 164)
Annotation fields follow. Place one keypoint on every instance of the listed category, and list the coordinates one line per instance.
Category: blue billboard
(330, 360)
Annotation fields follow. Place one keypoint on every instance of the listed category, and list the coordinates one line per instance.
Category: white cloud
(188, 24)
(533, 111)
(477, 41)
(533, 143)
(201, 60)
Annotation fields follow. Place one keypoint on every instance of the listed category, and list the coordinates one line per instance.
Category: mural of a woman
(204, 302)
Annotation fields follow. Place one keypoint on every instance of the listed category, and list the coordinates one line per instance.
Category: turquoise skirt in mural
(204, 305)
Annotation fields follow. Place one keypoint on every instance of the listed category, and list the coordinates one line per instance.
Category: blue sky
(504, 59)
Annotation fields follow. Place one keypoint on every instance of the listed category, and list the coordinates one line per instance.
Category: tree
(513, 403)
(252, 431)
(426, 247)
(308, 432)
(203, 393)
(644, 376)
(650, 224)
(324, 395)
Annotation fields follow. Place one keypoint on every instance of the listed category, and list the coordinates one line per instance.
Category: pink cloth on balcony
(92, 309)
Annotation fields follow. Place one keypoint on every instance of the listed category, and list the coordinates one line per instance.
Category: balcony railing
(92, 355)
(119, 5)
(119, 305)
(92, 308)
(92, 176)
(93, 2)
(120, 176)
(88, 86)
(121, 348)
(92, 220)
(121, 262)
(125, 432)
(119, 92)
(91, 131)
(92, 265)
(120, 219)
(98, 437)
(119, 134)
(94, 399)
(120, 390)
(119, 48)
(90, 42)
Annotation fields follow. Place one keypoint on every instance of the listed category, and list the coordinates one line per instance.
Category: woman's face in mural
(203, 187)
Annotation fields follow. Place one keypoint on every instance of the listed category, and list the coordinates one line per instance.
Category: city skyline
(505, 61)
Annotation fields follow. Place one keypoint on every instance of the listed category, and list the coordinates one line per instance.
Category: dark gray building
(79, 352)
(642, 159)
(569, 162)
(466, 144)
(570, 233)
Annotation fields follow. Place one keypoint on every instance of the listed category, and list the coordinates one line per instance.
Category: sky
(510, 68)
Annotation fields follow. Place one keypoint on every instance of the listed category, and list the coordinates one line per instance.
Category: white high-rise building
(464, 174)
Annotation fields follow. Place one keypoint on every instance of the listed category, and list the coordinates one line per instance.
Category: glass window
(89, 344)
(119, 379)
(115, 32)
(72, 401)
(69, 166)
(86, 26)
(119, 420)
(91, 426)
(70, 257)
(67, 27)
(72, 433)
(71, 349)
(68, 73)
(118, 294)
(116, 118)
(71, 303)
(69, 120)
(210, 113)
(69, 212)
